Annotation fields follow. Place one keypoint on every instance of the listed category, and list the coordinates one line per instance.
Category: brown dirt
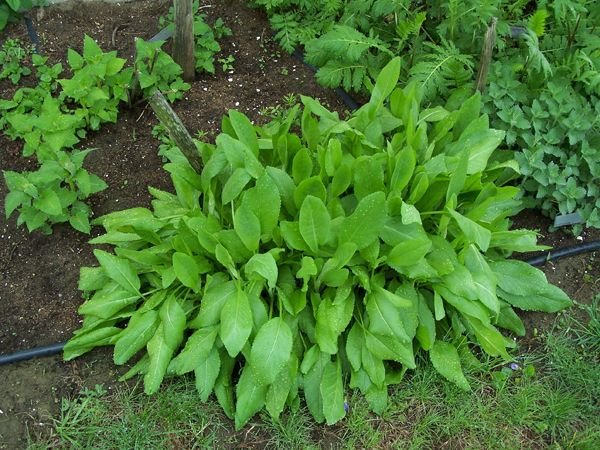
(38, 273)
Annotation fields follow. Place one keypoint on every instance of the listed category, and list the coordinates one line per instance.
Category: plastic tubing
(573, 250)
(23, 355)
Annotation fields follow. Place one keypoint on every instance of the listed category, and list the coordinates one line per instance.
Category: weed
(12, 55)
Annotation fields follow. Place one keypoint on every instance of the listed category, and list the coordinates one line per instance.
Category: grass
(549, 400)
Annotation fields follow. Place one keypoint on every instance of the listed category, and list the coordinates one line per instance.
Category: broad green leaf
(13, 200)
(302, 166)
(92, 278)
(312, 386)
(458, 176)
(354, 345)
(265, 202)
(386, 81)
(235, 185)
(363, 226)
(290, 231)
(223, 388)
(250, 398)
(140, 329)
(384, 316)
(120, 270)
(270, 351)
(160, 356)
(390, 348)
(280, 389)
(405, 163)
(549, 299)
(474, 233)
(86, 341)
(426, 329)
(509, 320)
(206, 374)
(518, 277)
(48, 202)
(244, 130)
(446, 361)
(332, 392)
(187, 270)
(247, 227)
(236, 322)
(488, 337)
(373, 366)
(197, 348)
(173, 323)
(107, 301)
(264, 266)
(483, 278)
(314, 222)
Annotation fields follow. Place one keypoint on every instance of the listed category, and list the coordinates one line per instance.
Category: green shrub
(299, 262)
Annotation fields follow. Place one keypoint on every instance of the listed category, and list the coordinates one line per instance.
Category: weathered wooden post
(183, 39)
(176, 129)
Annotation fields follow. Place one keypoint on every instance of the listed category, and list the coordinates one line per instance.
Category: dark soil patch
(39, 274)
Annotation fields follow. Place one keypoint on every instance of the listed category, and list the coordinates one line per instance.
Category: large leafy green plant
(307, 262)
(99, 83)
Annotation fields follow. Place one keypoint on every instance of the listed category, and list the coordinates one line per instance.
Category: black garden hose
(23, 355)
(573, 250)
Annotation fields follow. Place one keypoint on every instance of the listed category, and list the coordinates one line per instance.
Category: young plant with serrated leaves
(53, 194)
(206, 44)
(12, 55)
(156, 70)
(296, 265)
(98, 85)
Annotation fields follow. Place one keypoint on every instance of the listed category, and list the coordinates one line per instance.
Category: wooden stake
(176, 129)
(486, 55)
(183, 39)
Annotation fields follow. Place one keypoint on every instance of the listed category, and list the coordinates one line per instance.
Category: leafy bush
(99, 83)
(53, 193)
(11, 59)
(554, 45)
(293, 262)
(155, 69)
(206, 44)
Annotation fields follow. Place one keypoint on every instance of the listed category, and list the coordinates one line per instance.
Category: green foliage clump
(206, 44)
(295, 262)
(99, 83)
(534, 52)
(54, 193)
(156, 70)
(12, 55)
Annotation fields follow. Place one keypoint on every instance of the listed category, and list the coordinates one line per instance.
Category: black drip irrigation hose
(24, 355)
(573, 250)
(33, 37)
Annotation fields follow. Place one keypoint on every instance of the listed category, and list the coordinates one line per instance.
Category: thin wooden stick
(176, 129)
(486, 55)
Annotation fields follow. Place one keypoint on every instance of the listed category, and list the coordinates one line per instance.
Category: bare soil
(39, 274)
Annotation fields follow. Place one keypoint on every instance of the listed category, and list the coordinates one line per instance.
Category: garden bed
(39, 273)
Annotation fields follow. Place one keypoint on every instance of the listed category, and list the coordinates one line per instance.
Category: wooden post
(486, 55)
(183, 39)
(176, 129)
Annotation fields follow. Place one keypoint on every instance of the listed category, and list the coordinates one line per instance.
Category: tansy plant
(297, 264)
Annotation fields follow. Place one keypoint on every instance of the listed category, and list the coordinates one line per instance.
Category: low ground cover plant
(303, 261)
